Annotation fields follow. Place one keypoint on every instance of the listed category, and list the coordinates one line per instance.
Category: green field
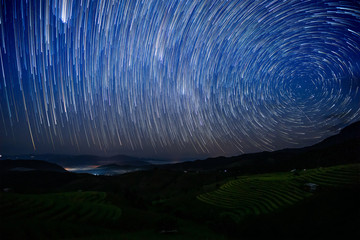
(266, 193)
(163, 204)
(72, 206)
(56, 214)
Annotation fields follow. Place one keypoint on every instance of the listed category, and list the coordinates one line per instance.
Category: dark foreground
(165, 204)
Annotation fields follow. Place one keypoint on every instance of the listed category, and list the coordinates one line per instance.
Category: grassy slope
(164, 200)
(265, 193)
(55, 215)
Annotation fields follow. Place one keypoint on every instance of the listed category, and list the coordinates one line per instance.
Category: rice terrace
(238, 201)
(53, 209)
(265, 193)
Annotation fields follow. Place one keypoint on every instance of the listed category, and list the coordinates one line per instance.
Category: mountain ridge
(341, 148)
(29, 165)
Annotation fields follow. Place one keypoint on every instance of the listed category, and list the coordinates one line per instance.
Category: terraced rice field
(265, 193)
(89, 207)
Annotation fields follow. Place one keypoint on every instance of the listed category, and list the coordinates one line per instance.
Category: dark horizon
(154, 160)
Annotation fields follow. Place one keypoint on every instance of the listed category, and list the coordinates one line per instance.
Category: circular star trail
(176, 78)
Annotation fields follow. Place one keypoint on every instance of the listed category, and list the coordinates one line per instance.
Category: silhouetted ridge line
(342, 148)
(29, 165)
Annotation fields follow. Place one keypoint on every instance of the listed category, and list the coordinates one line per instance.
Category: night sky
(176, 79)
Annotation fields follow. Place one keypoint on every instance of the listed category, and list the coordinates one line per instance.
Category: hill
(29, 165)
(219, 198)
(165, 204)
(342, 148)
(75, 161)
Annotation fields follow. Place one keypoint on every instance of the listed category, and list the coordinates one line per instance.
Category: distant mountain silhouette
(29, 165)
(341, 148)
(115, 169)
(115, 166)
(83, 160)
(123, 161)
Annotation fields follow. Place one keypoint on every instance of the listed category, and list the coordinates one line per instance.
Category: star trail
(176, 78)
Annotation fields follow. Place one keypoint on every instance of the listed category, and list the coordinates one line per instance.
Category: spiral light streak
(176, 78)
